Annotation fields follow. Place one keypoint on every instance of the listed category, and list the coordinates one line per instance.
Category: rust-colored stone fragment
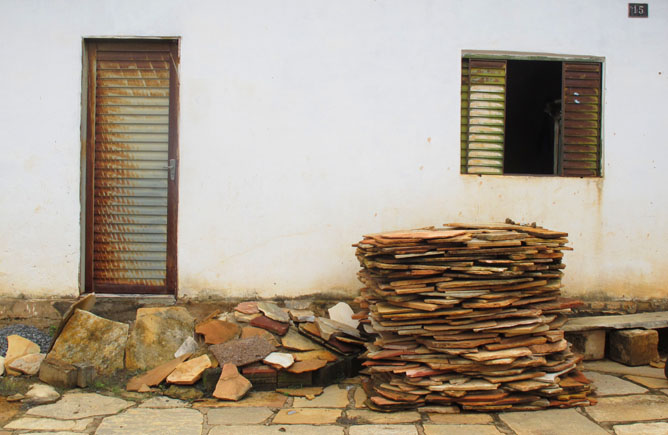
(155, 376)
(247, 308)
(231, 385)
(265, 322)
(217, 331)
(307, 366)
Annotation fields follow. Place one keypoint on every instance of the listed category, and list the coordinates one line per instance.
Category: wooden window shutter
(581, 126)
(483, 116)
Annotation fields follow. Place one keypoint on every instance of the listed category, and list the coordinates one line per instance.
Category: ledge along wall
(305, 124)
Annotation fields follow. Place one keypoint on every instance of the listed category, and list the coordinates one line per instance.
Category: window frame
(485, 55)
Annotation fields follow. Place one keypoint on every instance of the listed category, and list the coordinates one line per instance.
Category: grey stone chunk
(608, 385)
(145, 421)
(630, 408)
(291, 429)
(76, 406)
(232, 416)
(626, 321)
(553, 421)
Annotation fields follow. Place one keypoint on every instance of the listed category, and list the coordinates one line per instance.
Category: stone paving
(631, 400)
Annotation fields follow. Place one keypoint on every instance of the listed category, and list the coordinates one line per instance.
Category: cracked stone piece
(315, 354)
(265, 322)
(189, 372)
(17, 347)
(608, 385)
(59, 373)
(231, 385)
(268, 399)
(252, 331)
(309, 392)
(307, 416)
(284, 360)
(342, 313)
(245, 318)
(76, 406)
(552, 421)
(155, 376)
(629, 408)
(659, 428)
(229, 416)
(163, 403)
(146, 421)
(217, 331)
(329, 327)
(31, 423)
(463, 429)
(302, 315)
(247, 308)
(28, 364)
(189, 345)
(372, 417)
(273, 311)
(295, 429)
(243, 351)
(156, 336)
(90, 339)
(293, 340)
(307, 366)
(40, 394)
(331, 397)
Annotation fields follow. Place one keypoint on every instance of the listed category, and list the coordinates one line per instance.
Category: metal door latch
(172, 169)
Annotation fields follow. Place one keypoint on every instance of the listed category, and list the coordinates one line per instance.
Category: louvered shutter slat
(581, 128)
(483, 116)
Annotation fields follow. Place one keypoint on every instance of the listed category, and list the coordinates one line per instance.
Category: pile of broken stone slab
(469, 316)
(258, 345)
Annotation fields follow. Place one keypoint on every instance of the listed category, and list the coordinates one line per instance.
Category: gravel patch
(30, 332)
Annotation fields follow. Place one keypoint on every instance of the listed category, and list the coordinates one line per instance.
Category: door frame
(90, 46)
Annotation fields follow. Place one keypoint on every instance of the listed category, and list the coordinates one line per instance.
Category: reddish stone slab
(217, 331)
(265, 322)
(247, 308)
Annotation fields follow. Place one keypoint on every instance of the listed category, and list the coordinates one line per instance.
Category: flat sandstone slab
(296, 429)
(307, 416)
(48, 424)
(625, 321)
(608, 385)
(552, 421)
(76, 406)
(608, 366)
(145, 421)
(232, 416)
(463, 429)
(384, 429)
(366, 416)
(630, 408)
(331, 397)
(641, 428)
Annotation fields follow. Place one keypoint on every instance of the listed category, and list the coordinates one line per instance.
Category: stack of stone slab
(468, 315)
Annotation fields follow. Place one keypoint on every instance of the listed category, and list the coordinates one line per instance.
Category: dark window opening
(533, 116)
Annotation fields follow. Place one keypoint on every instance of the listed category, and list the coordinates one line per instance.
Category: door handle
(172, 169)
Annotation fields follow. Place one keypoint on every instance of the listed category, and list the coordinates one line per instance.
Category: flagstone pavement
(631, 400)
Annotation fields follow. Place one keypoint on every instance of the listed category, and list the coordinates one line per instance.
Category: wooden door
(131, 166)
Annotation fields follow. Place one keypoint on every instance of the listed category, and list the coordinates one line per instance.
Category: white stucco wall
(306, 123)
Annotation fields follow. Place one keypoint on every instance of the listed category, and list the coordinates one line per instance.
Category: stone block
(58, 373)
(591, 344)
(85, 375)
(634, 347)
(331, 373)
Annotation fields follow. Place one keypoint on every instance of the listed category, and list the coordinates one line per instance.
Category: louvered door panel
(581, 126)
(130, 186)
(484, 114)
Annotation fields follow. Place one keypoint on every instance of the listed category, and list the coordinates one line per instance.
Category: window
(537, 115)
